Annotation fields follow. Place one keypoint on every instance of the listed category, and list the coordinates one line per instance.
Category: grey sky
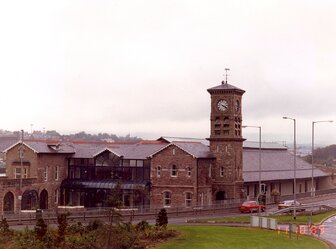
(143, 67)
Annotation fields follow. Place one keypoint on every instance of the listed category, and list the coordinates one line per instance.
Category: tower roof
(225, 87)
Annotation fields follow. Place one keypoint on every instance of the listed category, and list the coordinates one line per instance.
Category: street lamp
(312, 162)
(259, 127)
(294, 120)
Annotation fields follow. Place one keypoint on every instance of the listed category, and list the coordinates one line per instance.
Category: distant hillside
(324, 156)
(82, 136)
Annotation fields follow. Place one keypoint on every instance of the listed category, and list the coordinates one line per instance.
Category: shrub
(62, 225)
(94, 225)
(162, 218)
(142, 226)
(40, 229)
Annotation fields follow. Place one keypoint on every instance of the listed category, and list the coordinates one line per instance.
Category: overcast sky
(143, 67)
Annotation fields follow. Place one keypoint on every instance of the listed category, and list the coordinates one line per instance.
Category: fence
(264, 222)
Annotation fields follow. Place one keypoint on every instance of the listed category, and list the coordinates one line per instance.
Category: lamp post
(312, 162)
(21, 155)
(259, 127)
(294, 183)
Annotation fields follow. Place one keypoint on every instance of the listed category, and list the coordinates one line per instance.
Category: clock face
(222, 105)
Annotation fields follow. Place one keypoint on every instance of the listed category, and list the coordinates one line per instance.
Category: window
(56, 195)
(46, 173)
(166, 199)
(188, 171)
(174, 170)
(188, 199)
(132, 163)
(221, 171)
(158, 171)
(173, 151)
(17, 173)
(210, 168)
(140, 163)
(56, 173)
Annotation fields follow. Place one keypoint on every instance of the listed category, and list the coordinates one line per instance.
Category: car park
(251, 206)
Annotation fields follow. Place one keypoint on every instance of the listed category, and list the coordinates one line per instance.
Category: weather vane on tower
(226, 75)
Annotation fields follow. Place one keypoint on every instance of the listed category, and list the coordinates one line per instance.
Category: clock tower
(226, 141)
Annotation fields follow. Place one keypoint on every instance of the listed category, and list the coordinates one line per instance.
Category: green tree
(162, 218)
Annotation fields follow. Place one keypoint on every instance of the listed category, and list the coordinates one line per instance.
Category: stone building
(168, 172)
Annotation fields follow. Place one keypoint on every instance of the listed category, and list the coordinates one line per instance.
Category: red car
(251, 206)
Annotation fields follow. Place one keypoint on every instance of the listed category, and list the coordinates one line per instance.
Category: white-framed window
(45, 176)
(56, 172)
(56, 195)
(188, 199)
(174, 171)
(166, 199)
(221, 171)
(17, 173)
(188, 171)
(158, 171)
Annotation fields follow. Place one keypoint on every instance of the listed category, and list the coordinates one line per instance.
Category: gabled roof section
(17, 143)
(184, 139)
(225, 87)
(107, 149)
(195, 149)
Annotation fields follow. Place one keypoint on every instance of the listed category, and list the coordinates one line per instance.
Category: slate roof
(140, 150)
(225, 86)
(45, 146)
(277, 161)
(275, 165)
(196, 149)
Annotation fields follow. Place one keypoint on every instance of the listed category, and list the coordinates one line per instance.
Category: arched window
(174, 170)
(44, 199)
(166, 199)
(8, 202)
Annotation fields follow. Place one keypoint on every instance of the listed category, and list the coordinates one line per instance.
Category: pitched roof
(225, 87)
(195, 149)
(275, 165)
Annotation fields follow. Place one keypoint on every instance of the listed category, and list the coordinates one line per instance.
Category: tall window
(210, 168)
(56, 173)
(174, 170)
(166, 199)
(189, 171)
(56, 195)
(188, 199)
(221, 171)
(46, 173)
(158, 171)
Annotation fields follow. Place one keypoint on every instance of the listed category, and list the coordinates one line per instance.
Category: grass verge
(219, 237)
(301, 218)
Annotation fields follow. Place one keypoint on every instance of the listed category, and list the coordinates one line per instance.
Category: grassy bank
(213, 237)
